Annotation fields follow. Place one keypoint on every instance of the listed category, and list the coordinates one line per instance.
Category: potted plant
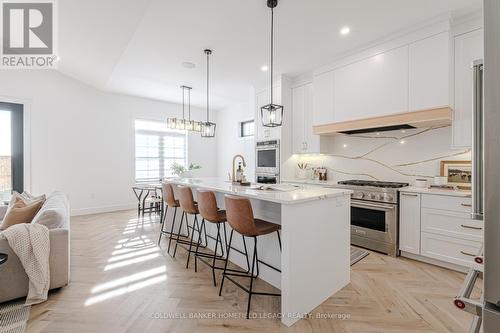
(181, 171)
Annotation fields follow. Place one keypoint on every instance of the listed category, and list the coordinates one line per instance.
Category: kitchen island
(315, 235)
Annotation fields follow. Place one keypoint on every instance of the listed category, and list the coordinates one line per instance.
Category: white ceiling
(137, 47)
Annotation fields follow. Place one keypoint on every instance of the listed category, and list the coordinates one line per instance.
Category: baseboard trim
(102, 209)
(435, 262)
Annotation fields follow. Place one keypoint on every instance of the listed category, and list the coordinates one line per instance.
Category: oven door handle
(363, 204)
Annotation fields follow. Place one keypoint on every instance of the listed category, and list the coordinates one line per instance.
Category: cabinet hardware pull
(471, 227)
(409, 195)
(468, 254)
(466, 205)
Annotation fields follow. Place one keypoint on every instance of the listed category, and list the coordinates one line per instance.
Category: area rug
(357, 255)
(14, 316)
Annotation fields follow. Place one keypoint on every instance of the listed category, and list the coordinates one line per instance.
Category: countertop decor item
(440, 180)
(302, 172)
(181, 171)
(421, 183)
(457, 173)
(208, 127)
(272, 114)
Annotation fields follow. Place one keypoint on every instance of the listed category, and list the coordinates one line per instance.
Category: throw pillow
(21, 212)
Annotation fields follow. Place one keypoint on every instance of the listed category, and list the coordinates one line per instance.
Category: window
(247, 128)
(11, 150)
(156, 149)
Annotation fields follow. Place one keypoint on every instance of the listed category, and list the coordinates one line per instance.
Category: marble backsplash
(402, 155)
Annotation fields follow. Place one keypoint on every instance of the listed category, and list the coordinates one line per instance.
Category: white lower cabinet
(449, 249)
(409, 227)
(439, 227)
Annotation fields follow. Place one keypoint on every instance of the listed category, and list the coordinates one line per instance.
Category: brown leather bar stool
(169, 201)
(240, 217)
(207, 205)
(189, 207)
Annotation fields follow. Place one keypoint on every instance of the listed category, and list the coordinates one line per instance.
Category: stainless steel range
(374, 214)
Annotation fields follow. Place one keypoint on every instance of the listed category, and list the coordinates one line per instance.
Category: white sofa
(13, 279)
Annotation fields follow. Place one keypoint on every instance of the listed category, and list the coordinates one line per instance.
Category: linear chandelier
(183, 123)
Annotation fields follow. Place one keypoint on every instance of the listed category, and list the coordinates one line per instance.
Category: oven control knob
(389, 198)
(372, 196)
(358, 195)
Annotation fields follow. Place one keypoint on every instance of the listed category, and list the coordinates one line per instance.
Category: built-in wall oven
(267, 160)
(375, 214)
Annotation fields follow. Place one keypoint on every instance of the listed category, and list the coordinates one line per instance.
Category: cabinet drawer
(452, 224)
(449, 249)
(446, 202)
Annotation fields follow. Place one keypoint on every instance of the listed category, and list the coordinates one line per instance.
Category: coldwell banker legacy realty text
(28, 34)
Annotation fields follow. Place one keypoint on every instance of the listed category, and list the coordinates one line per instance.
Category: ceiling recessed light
(189, 65)
(264, 68)
(402, 142)
(344, 145)
(345, 31)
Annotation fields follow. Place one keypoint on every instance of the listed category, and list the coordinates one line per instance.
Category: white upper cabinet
(323, 98)
(304, 141)
(372, 87)
(429, 64)
(298, 113)
(468, 47)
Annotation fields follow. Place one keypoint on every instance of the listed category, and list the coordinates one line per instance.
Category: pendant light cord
(272, 52)
(208, 98)
(189, 104)
(183, 93)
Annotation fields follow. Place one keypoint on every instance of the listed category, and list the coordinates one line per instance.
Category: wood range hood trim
(424, 118)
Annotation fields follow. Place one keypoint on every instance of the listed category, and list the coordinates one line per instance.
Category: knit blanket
(31, 243)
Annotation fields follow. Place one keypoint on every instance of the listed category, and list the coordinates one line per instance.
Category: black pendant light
(272, 114)
(208, 128)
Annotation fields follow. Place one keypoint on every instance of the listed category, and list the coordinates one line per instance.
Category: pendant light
(272, 114)
(208, 128)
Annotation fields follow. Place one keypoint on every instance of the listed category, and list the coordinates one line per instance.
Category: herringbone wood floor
(122, 282)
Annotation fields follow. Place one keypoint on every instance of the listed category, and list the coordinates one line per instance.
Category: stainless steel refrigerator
(488, 199)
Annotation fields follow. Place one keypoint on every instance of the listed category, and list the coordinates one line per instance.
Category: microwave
(267, 157)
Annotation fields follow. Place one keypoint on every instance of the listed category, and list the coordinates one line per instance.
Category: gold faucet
(234, 165)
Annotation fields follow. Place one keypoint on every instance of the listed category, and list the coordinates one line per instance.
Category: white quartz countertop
(453, 193)
(302, 193)
(311, 182)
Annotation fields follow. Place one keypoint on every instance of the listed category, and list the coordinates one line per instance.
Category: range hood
(416, 119)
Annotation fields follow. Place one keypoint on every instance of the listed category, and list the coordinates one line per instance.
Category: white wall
(228, 141)
(82, 139)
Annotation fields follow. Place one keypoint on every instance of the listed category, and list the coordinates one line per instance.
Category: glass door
(11, 150)
(5, 155)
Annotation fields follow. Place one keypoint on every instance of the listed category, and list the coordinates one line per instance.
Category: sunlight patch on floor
(128, 279)
(125, 290)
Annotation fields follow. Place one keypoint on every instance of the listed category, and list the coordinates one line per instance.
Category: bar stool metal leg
(162, 224)
(178, 234)
(252, 277)
(225, 264)
(195, 223)
(172, 230)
